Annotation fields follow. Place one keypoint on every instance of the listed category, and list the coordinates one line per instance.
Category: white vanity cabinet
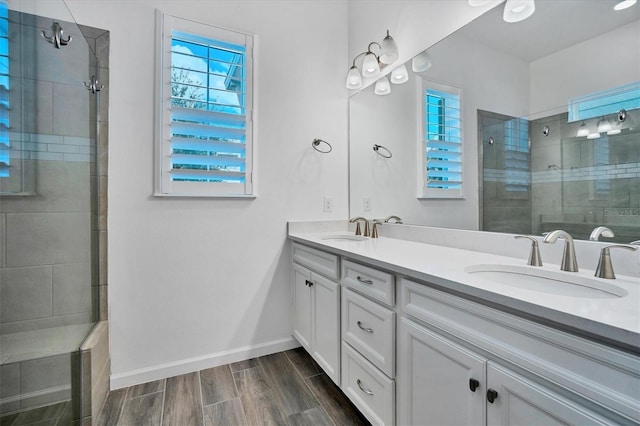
(464, 363)
(316, 313)
(369, 341)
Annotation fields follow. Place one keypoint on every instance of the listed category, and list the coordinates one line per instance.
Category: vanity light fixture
(604, 125)
(389, 50)
(372, 63)
(595, 135)
(583, 130)
(382, 86)
(518, 10)
(624, 4)
(399, 75)
(421, 62)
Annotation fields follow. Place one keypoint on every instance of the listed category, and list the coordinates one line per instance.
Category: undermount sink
(343, 237)
(547, 281)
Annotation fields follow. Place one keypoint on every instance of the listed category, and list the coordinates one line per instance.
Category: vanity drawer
(369, 281)
(319, 261)
(370, 329)
(370, 390)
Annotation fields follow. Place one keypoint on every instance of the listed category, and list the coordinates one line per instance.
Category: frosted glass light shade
(518, 10)
(354, 81)
(583, 130)
(593, 136)
(624, 4)
(421, 62)
(370, 65)
(399, 75)
(382, 86)
(389, 50)
(604, 126)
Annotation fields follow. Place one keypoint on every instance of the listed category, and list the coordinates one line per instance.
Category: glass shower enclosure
(48, 206)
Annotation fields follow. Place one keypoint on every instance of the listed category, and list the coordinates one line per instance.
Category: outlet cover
(328, 204)
(366, 204)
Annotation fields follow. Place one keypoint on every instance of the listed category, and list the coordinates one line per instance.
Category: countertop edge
(606, 334)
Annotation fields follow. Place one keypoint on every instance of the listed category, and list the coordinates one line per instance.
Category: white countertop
(612, 320)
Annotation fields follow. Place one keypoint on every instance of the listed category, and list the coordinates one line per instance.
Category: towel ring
(317, 142)
(377, 149)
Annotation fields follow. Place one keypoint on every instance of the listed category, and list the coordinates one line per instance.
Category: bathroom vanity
(411, 337)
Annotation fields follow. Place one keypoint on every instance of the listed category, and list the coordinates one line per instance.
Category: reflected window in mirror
(441, 141)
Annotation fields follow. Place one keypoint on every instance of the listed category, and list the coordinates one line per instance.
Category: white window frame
(164, 186)
(423, 191)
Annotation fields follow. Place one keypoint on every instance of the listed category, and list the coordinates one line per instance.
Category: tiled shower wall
(578, 184)
(53, 243)
(575, 183)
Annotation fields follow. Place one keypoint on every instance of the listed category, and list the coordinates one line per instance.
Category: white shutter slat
(208, 145)
(205, 116)
(206, 131)
(207, 160)
(207, 174)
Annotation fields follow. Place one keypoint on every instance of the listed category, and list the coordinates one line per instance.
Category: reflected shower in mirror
(516, 82)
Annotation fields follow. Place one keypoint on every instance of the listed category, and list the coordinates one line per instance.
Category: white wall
(196, 282)
(603, 62)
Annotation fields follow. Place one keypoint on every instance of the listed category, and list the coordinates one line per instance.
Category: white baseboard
(171, 369)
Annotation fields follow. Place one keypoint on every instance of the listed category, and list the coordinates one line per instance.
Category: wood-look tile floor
(286, 388)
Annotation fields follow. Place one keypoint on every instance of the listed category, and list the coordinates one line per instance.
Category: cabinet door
(302, 306)
(520, 401)
(439, 382)
(326, 319)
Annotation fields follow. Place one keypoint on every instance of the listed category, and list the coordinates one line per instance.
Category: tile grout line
(304, 380)
(201, 397)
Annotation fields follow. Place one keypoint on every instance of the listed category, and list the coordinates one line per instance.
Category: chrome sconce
(372, 64)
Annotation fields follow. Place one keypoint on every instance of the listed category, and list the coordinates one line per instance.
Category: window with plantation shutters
(441, 141)
(205, 141)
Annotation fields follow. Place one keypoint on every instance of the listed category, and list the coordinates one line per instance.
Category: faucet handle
(534, 256)
(374, 228)
(605, 267)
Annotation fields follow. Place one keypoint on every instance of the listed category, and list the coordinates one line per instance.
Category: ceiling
(555, 25)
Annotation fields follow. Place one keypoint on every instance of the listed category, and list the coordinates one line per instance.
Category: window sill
(217, 197)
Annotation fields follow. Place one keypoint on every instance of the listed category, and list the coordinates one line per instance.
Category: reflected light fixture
(624, 4)
(382, 86)
(518, 10)
(371, 64)
(583, 130)
(421, 62)
(399, 75)
(604, 125)
(593, 135)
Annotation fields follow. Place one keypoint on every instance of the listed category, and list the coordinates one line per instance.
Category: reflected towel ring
(317, 142)
(377, 149)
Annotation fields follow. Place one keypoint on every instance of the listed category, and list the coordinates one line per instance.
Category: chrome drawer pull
(367, 329)
(364, 281)
(363, 389)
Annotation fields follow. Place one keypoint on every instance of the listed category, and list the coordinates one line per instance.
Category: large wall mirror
(524, 167)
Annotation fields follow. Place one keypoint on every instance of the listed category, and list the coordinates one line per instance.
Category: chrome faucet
(569, 262)
(605, 267)
(392, 217)
(534, 255)
(601, 231)
(357, 220)
(374, 229)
